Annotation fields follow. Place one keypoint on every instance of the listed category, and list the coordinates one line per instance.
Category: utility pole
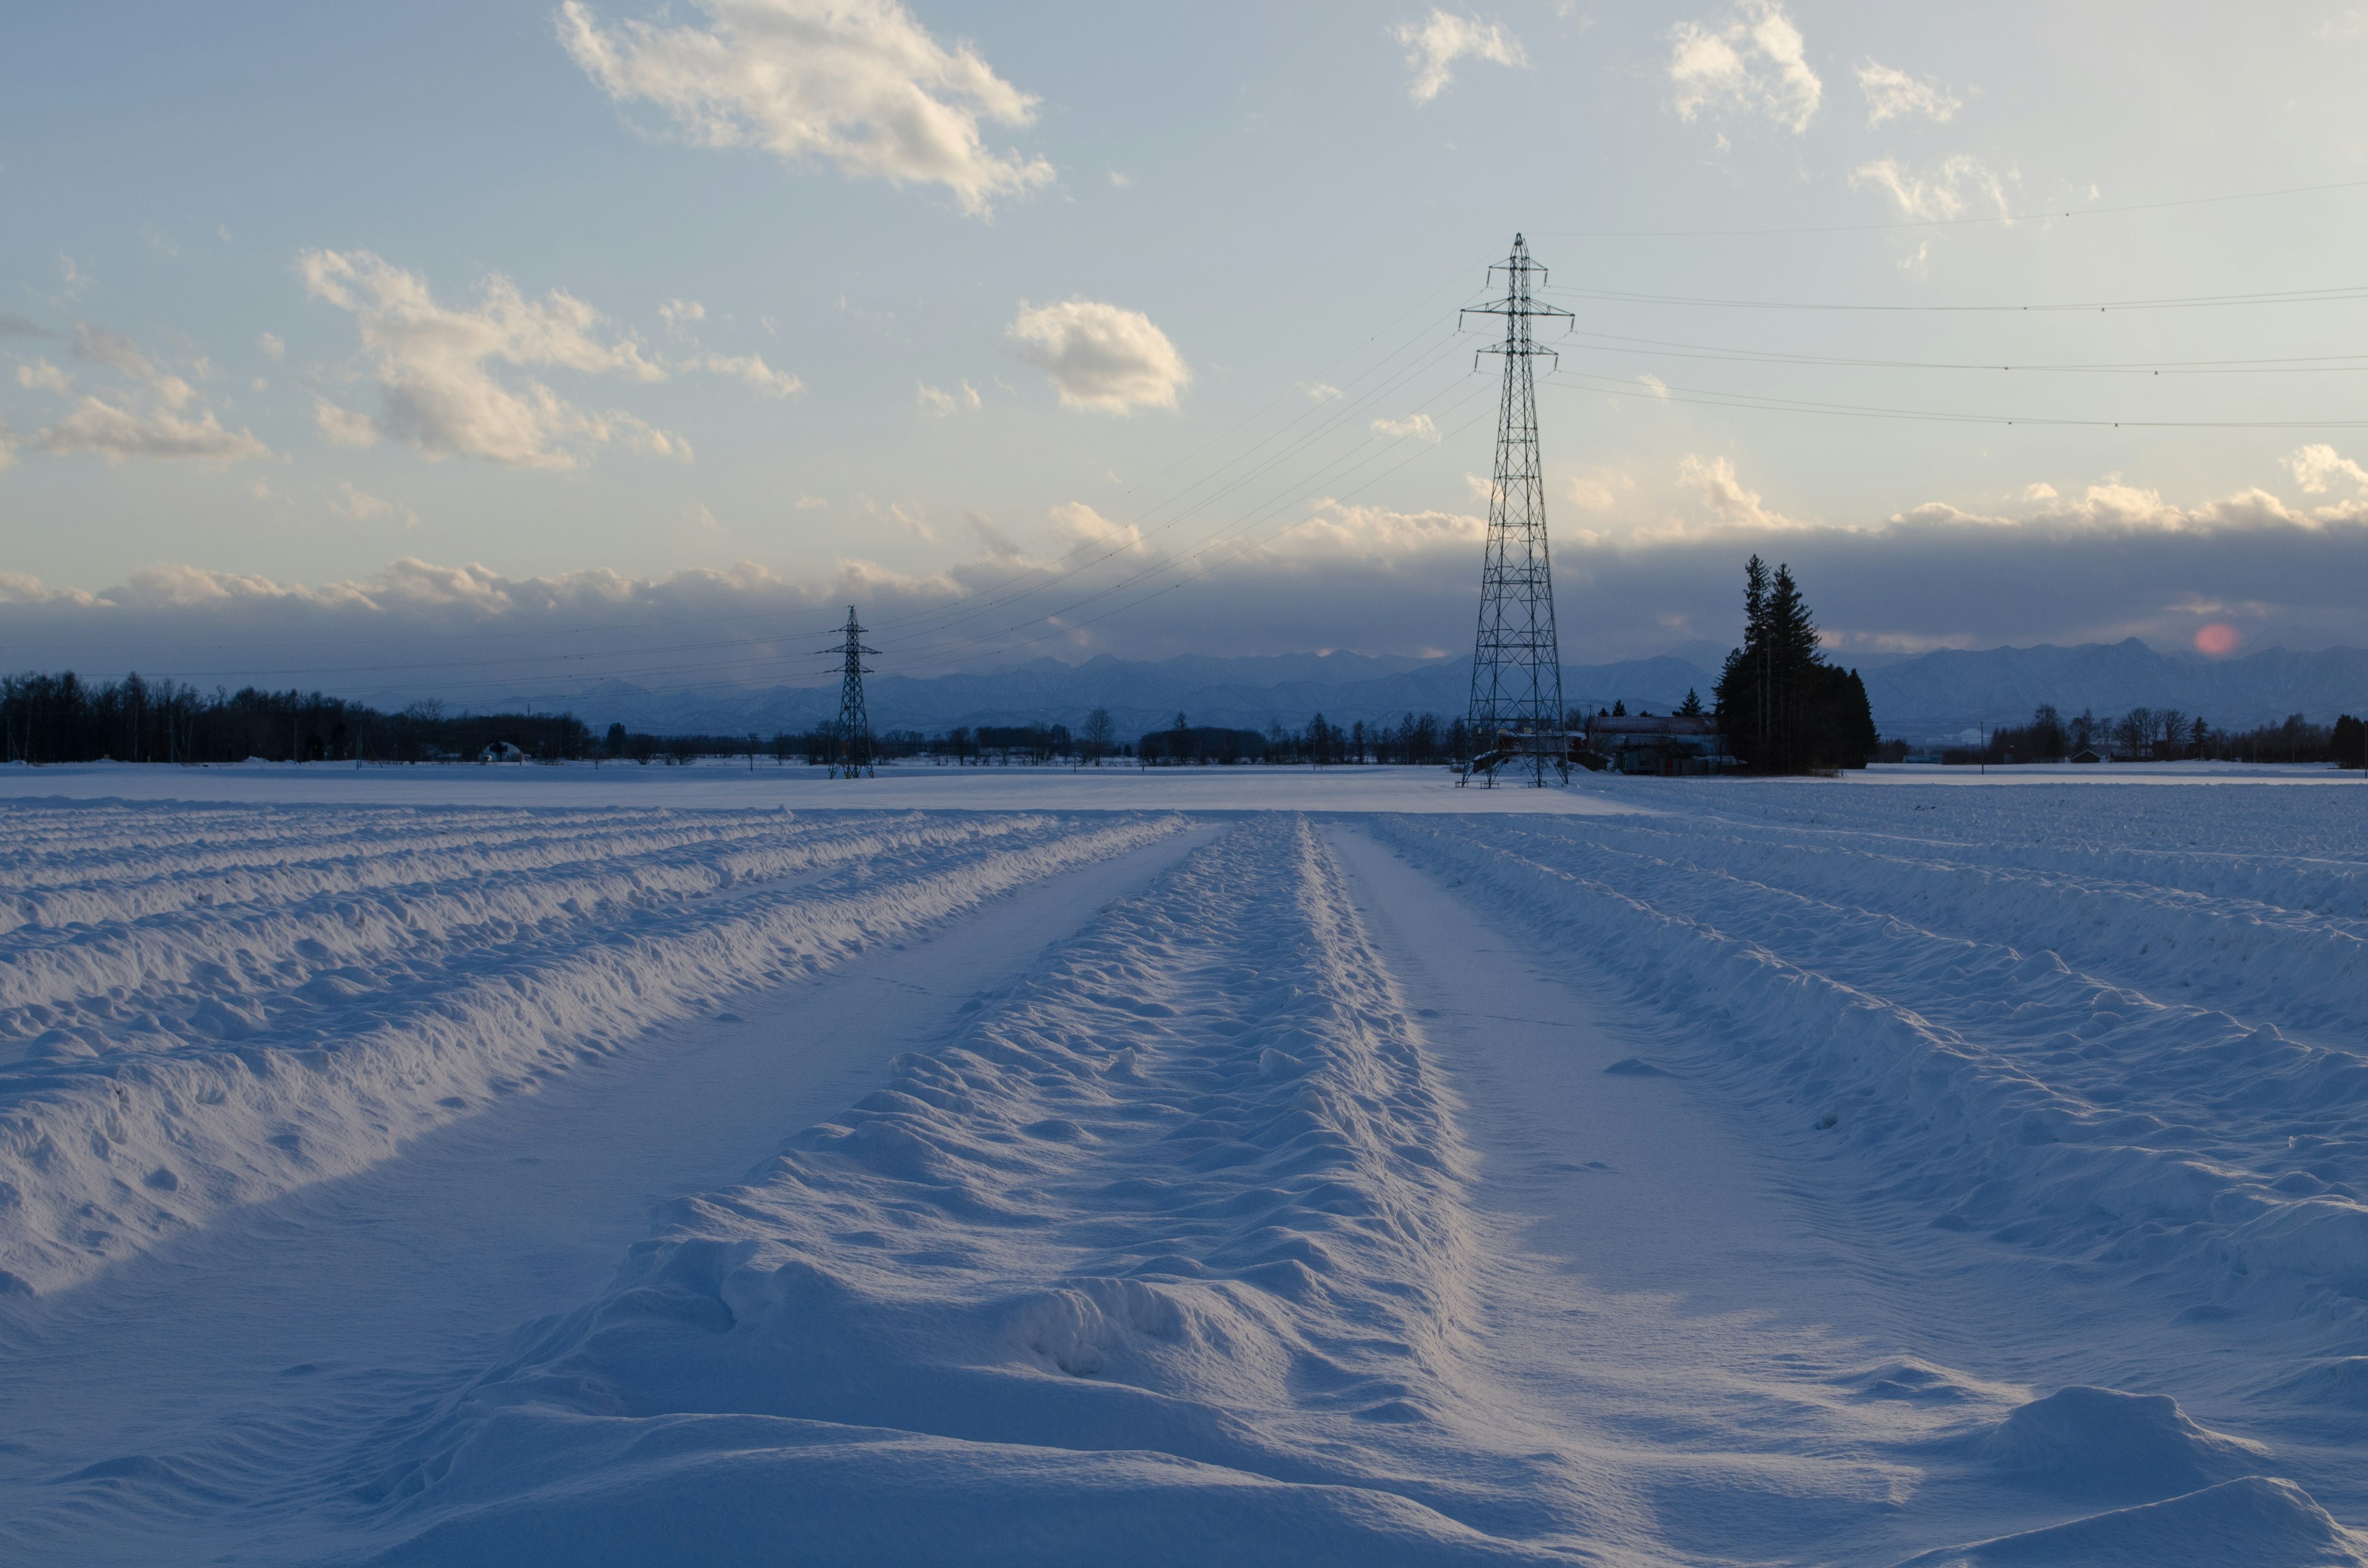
(1516, 659)
(852, 746)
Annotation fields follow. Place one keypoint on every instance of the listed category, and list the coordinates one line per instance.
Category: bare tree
(1099, 735)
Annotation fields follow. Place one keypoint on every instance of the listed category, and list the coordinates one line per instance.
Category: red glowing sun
(2219, 640)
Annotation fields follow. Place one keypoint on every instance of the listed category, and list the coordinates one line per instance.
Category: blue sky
(549, 332)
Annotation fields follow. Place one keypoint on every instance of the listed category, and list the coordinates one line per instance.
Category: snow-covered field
(461, 1166)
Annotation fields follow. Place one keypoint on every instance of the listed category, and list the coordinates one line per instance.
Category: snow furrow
(1965, 1124)
(1179, 1220)
(150, 1128)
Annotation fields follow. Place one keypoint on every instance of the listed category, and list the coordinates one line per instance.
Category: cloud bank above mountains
(2114, 563)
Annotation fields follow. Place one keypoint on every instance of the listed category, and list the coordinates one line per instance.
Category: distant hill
(1940, 693)
(1927, 697)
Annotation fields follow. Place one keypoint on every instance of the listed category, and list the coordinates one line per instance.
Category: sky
(449, 349)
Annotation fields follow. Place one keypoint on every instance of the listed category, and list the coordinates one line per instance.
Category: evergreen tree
(1783, 707)
(1691, 708)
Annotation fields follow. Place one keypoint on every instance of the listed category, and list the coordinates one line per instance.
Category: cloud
(808, 502)
(1949, 191)
(2040, 491)
(121, 435)
(1100, 356)
(1376, 535)
(1435, 44)
(1892, 94)
(274, 348)
(433, 363)
(152, 419)
(1120, 179)
(751, 368)
(72, 278)
(1418, 426)
(1321, 392)
(14, 326)
(1751, 63)
(2313, 466)
(1729, 506)
(42, 376)
(938, 403)
(858, 83)
(343, 426)
(678, 314)
(1078, 525)
(360, 507)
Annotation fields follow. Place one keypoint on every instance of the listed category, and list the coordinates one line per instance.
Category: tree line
(61, 718)
(2166, 735)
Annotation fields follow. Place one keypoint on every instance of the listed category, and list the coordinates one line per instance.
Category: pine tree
(1692, 707)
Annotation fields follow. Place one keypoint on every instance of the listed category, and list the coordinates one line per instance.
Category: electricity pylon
(1515, 661)
(851, 737)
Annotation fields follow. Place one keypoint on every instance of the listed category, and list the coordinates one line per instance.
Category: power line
(2193, 301)
(1718, 398)
(1606, 342)
(2032, 216)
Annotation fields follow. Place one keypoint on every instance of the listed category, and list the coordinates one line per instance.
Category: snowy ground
(447, 1165)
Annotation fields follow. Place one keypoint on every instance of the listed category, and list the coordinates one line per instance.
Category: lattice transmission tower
(1515, 661)
(851, 736)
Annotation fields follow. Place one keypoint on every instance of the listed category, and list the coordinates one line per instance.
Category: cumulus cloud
(1721, 497)
(1377, 535)
(858, 83)
(752, 371)
(1892, 94)
(434, 365)
(679, 313)
(1436, 43)
(154, 417)
(121, 433)
(343, 426)
(938, 403)
(1750, 62)
(274, 348)
(42, 376)
(1949, 191)
(360, 507)
(2316, 464)
(1417, 425)
(1100, 356)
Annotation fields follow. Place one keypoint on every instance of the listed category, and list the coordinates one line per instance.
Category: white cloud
(2039, 491)
(808, 502)
(857, 83)
(761, 378)
(1100, 356)
(1654, 385)
(1322, 392)
(152, 421)
(1892, 94)
(42, 376)
(2313, 466)
(1119, 178)
(1600, 489)
(343, 426)
(120, 435)
(679, 313)
(1722, 495)
(8, 461)
(433, 364)
(1375, 533)
(938, 403)
(1078, 525)
(1949, 191)
(274, 348)
(361, 506)
(1418, 426)
(1436, 43)
(1752, 63)
(72, 278)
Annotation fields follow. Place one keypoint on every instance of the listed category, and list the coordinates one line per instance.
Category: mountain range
(1931, 696)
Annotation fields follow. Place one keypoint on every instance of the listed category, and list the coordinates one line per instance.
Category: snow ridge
(1168, 1244)
(310, 992)
(1989, 1086)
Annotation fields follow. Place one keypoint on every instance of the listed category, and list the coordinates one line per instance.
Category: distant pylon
(851, 737)
(1515, 661)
